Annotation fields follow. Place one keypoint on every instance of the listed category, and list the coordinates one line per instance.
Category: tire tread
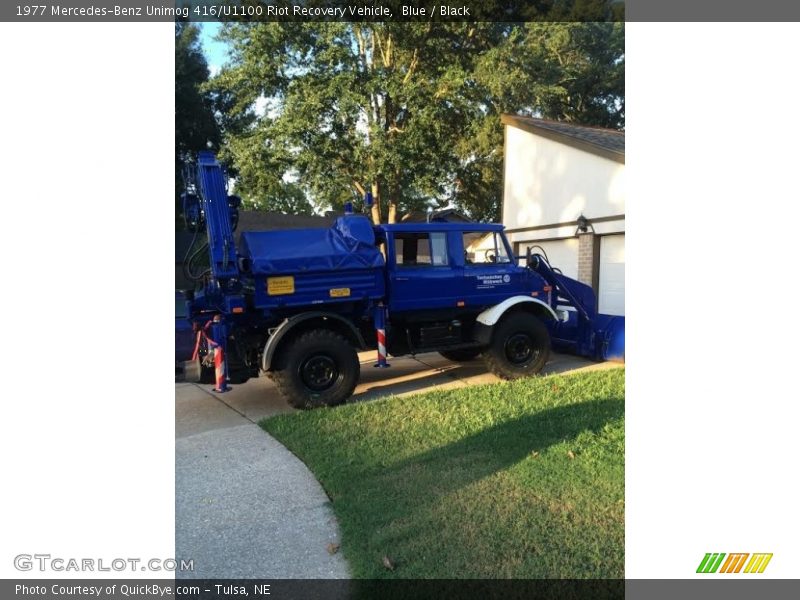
(494, 356)
(287, 384)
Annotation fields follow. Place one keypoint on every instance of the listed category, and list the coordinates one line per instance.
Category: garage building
(564, 192)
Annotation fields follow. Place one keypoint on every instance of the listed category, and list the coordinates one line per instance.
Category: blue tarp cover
(348, 244)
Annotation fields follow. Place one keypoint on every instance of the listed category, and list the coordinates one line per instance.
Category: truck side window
(439, 249)
(484, 248)
(420, 249)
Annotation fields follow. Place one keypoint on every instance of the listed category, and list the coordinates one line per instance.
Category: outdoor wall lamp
(583, 225)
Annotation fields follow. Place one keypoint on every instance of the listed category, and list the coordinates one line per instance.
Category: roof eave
(563, 138)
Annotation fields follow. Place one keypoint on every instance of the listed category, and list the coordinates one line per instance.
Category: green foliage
(410, 111)
(289, 199)
(513, 480)
(195, 124)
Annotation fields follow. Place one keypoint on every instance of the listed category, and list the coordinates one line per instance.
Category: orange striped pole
(380, 333)
(220, 366)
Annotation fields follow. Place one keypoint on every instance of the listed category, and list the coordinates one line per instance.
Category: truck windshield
(482, 248)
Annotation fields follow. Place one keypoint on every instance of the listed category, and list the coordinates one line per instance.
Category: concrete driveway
(258, 398)
(246, 507)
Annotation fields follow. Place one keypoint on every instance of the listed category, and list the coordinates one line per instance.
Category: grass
(514, 480)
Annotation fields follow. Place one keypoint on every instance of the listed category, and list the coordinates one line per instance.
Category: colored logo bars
(734, 562)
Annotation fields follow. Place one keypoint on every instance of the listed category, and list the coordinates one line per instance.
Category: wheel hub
(519, 349)
(319, 372)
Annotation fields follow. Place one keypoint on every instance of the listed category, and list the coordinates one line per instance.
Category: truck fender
(492, 315)
(291, 324)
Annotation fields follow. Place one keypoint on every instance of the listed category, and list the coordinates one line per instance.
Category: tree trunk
(395, 197)
(376, 204)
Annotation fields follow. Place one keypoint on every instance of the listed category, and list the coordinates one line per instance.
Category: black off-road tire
(462, 355)
(317, 368)
(520, 346)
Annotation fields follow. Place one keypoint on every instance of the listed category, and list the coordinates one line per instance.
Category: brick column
(586, 249)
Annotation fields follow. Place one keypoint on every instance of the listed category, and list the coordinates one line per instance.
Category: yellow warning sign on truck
(340, 292)
(278, 286)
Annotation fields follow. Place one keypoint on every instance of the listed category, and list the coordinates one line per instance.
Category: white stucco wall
(550, 183)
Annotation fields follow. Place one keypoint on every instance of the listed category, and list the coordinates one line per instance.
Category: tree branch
(412, 66)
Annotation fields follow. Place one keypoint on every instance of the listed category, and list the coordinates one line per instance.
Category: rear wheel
(317, 368)
(462, 355)
(520, 346)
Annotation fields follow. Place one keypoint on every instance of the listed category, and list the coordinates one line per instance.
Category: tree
(288, 198)
(195, 124)
(408, 111)
(572, 72)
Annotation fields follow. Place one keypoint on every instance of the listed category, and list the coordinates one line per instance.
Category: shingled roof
(608, 143)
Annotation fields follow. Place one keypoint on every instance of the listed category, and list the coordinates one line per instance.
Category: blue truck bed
(310, 266)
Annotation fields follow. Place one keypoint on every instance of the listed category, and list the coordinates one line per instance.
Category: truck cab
(451, 266)
(449, 284)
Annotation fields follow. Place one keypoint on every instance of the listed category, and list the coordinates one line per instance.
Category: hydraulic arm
(211, 207)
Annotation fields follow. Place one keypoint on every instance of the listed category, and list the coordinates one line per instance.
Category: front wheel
(520, 347)
(317, 368)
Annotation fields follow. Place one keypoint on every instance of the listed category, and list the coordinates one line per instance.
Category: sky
(216, 52)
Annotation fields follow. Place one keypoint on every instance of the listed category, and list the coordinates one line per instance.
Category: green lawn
(519, 480)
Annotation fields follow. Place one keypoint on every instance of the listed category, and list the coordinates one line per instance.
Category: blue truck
(298, 305)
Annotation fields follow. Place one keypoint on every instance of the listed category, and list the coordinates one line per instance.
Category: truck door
(489, 273)
(422, 273)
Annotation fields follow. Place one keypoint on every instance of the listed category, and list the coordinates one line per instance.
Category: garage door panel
(562, 254)
(611, 300)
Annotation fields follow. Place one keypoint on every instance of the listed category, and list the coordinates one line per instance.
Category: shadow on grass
(463, 509)
(452, 466)
(422, 502)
